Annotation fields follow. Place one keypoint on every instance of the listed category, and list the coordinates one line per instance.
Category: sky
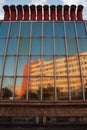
(43, 2)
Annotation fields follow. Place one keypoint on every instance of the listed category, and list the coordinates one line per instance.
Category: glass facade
(43, 61)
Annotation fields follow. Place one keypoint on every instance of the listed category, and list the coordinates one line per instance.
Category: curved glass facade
(43, 61)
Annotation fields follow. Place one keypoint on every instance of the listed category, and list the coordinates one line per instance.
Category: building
(43, 60)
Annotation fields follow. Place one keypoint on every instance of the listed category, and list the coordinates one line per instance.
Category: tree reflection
(6, 93)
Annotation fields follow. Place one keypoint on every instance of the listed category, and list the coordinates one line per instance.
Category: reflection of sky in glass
(9, 66)
(1, 60)
(19, 82)
(59, 29)
(12, 46)
(2, 46)
(48, 29)
(14, 29)
(25, 29)
(22, 60)
(48, 47)
(35, 46)
(60, 46)
(83, 45)
(36, 29)
(8, 82)
(24, 46)
(81, 31)
(4, 29)
(70, 29)
(72, 47)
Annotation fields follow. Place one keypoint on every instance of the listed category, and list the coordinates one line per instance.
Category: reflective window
(83, 46)
(70, 29)
(2, 46)
(1, 63)
(72, 46)
(7, 89)
(4, 27)
(24, 46)
(12, 46)
(14, 32)
(9, 66)
(60, 46)
(75, 88)
(48, 46)
(59, 29)
(35, 46)
(81, 30)
(36, 29)
(48, 29)
(25, 29)
(21, 68)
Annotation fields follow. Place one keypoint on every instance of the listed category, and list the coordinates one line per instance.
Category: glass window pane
(85, 86)
(8, 88)
(12, 46)
(62, 88)
(48, 29)
(20, 88)
(70, 29)
(35, 46)
(48, 66)
(36, 29)
(48, 88)
(72, 46)
(83, 60)
(14, 29)
(35, 66)
(24, 46)
(1, 63)
(22, 63)
(59, 29)
(9, 66)
(48, 46)
(81, 30)
(34, 88)
(4, 29)
(83, 46)
(2, 46)
(25, 29)
(60, 46)
(61, 66)
(73, 64)
(76, 88)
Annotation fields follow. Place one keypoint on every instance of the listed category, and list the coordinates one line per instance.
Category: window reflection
(83, 46)
(48, 29)
(73, 65)
(25, 29)
(70, 29)
(48, 88)
(60, 46)
(22, 62)
(36, 29)
(7, 88)
(9, 66)
(12, 46)
(4, 27)
(83, 61)
(72, 46)
(85, 85)
(59, 29)
(35, 46)
(14, 32)
(1, 63)
(48, 46)
(24, 46)
(62, 88)
(75, 88)
(81, 30)
(61, 66)
(2, 46)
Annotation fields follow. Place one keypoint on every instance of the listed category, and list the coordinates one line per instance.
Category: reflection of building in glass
(55, 73)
